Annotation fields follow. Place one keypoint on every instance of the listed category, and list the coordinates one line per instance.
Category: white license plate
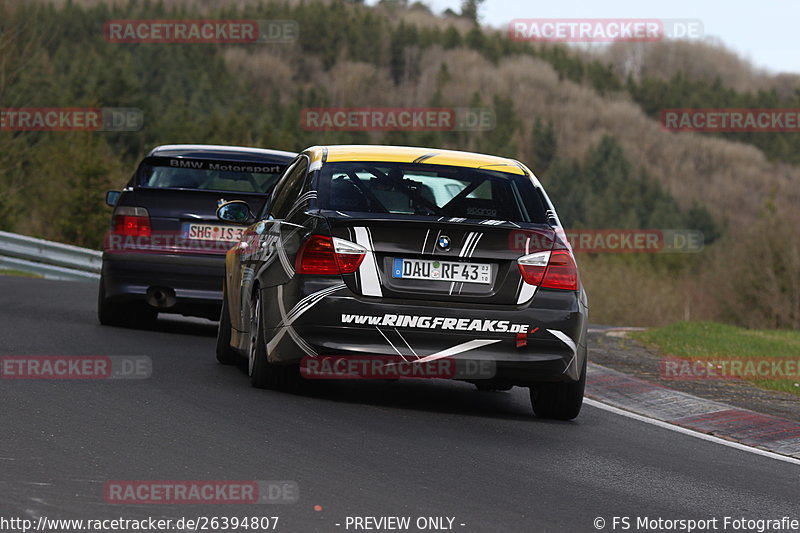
(212, 232)
(441, 270)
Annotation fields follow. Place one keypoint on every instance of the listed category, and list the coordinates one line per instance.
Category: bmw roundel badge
(444, 242)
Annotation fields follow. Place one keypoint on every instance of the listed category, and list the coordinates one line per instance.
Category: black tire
(225, 354)
(144, 316)
(558, 401)
(263, 374)
(123, 315)
(108, 313)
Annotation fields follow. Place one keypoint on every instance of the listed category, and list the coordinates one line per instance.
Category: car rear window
(429, 190)
(206, 174)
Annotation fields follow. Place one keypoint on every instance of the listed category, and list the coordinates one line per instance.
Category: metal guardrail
(51, 260)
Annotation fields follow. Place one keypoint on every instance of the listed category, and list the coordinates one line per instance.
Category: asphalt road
(409, 448)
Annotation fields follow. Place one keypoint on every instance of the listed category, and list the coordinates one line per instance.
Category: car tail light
(562, 273)
(329, 255)
(132, 221)
(553, 269)
(533, 266)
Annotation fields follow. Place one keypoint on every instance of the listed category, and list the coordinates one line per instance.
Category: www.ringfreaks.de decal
(444, 323)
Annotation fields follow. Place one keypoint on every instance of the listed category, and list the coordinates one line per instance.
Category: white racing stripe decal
(435, 242)
(469, 253)
(285, 263)
(560, 335)
(368, 271)
(290, 330)
(301, 343)
(301, 307)
(526, 292)
(284, 320)
(310, 301)
(459, 348)
(467, 243)
(464, 248)
(425, 241)
(474, 245)
(390, 343)
(406, 342)
(393, 346)
(299, 202)
(292, 333)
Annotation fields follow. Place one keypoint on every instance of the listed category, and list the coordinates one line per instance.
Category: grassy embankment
(713, 341)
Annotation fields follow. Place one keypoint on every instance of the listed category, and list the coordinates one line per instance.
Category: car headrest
(345, 196)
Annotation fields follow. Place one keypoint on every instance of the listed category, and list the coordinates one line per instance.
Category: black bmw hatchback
(165, 249)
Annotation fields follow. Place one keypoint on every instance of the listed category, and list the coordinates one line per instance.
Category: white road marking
(690, 432)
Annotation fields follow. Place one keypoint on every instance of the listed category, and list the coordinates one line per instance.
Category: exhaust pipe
(161, 297)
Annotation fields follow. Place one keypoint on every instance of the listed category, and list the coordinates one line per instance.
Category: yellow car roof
(409, 154)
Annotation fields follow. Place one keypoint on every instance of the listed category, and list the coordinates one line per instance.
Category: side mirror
(236, 211)
(112, 197)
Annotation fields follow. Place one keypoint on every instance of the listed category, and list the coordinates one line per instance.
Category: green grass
(9, 272)
(710, 340)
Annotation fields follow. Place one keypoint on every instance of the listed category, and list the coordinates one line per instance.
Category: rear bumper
(543, 341)
(195, 279)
